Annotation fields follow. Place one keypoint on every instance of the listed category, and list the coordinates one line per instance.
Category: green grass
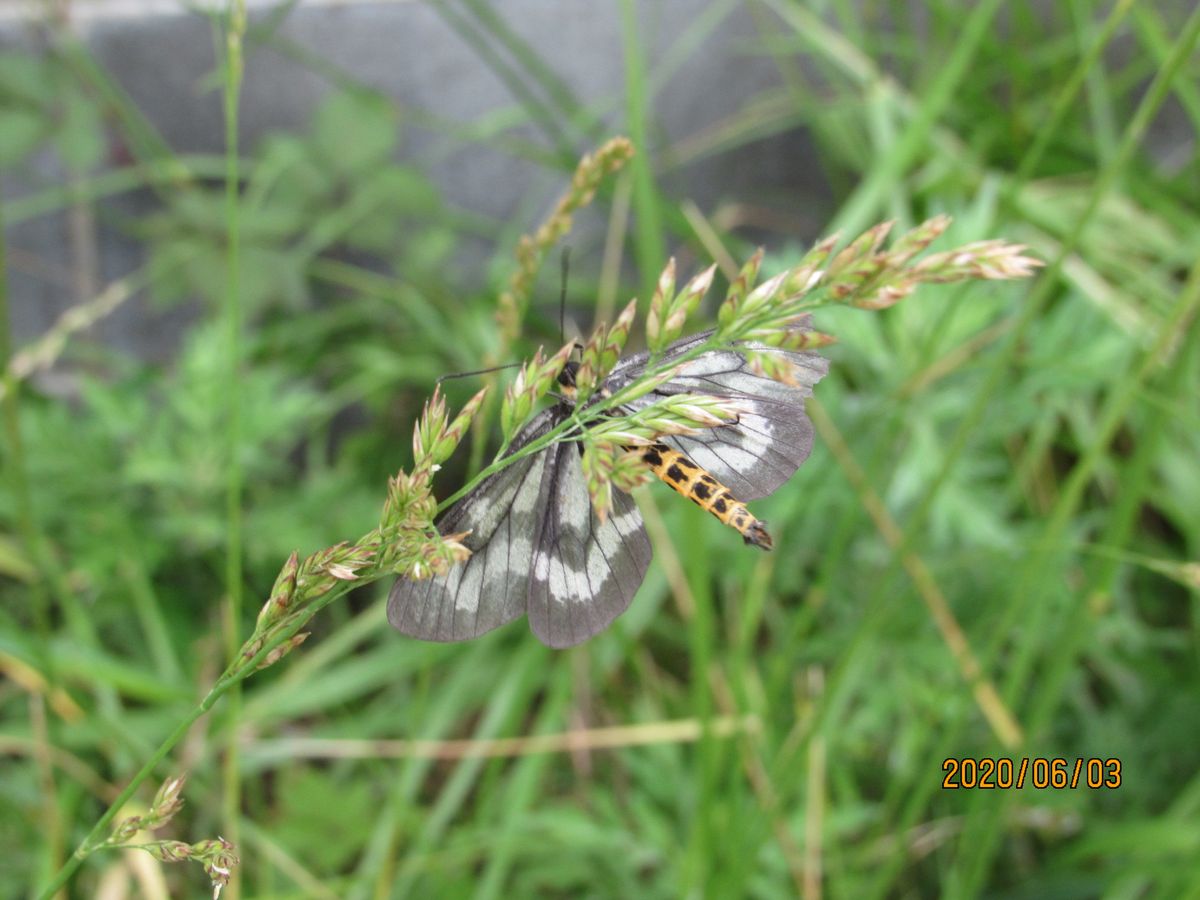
(1005, 477)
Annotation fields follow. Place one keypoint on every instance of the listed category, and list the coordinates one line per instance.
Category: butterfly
(538, 547)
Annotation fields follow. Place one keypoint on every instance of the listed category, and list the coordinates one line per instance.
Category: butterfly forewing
(504, 516)
(585, 572)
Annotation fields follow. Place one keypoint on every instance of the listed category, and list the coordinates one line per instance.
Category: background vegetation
(993, 551)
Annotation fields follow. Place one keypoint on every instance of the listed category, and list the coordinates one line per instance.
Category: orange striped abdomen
(676, 470)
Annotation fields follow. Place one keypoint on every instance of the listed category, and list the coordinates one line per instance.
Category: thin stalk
(238, 670)
(509, 701)
(106, 184)
(545, 118)
(1073, 629)
(648, 243)
(32, 537)
(519, 789)
(1098, 94)
(145, 143)
(150, 613)
(1151, 31)
(1001, 367)
(16, 452)
(702, 840)
(580, 419)
(560, 99)
(1066, 98)
(920, 129)
(93, 838)
(1046, 286)
(232, 313)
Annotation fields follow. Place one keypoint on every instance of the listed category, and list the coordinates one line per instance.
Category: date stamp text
(1005, 773)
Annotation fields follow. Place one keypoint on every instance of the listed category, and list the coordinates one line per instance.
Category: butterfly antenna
(565, 263)
(477, 372)
(562, 299)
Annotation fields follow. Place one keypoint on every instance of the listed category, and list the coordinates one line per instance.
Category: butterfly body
(538, 546)
(679, 473)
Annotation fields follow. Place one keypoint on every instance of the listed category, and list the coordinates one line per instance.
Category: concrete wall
(412, 53)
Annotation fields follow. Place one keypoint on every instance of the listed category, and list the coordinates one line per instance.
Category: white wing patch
(585, 572)
(536, 547)
(491, 588)
(770, 439)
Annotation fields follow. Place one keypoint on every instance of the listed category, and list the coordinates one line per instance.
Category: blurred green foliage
(1037, 444)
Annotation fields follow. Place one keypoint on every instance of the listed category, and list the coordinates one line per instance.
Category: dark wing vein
(504, 515)
(763, 448)
(585, 572)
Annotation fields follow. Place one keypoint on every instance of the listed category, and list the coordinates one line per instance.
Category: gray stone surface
(411, 52)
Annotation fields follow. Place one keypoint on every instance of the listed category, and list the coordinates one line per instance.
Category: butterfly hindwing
(770, 439)
(585, 572)
(505, 516)
(772, 436)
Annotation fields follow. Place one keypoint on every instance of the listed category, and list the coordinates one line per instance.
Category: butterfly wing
(504, 514)
(770, 439)
(536, 543)
(536, 546)
(585, 572)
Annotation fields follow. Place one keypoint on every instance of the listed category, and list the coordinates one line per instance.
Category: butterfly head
(566, 379)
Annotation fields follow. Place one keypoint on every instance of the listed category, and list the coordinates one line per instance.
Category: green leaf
(355, 131)
(80, 137)
(25, 81)
(171, 264)
(320, 816)
(270, 276)
(20, 133)
(289, 174)
(392, 195)
(14, 563)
